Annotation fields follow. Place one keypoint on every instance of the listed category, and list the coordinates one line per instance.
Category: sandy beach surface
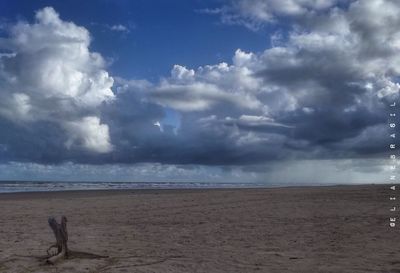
(305, 229)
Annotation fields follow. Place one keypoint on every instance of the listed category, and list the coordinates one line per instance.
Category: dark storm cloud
(322, 93)
(330, 124)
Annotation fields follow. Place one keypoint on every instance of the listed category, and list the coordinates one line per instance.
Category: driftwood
(61, 234)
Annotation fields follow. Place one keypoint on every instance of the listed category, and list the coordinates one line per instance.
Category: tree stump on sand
(61, 234)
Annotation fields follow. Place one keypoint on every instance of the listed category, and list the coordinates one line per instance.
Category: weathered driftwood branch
(61, 234)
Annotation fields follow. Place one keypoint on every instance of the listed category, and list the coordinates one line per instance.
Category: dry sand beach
(310, 229)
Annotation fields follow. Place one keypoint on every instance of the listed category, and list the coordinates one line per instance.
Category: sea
(43, 186)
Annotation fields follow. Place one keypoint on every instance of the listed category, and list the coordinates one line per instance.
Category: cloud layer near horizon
(320, 92)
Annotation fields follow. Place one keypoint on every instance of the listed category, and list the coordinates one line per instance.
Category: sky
(288, 92)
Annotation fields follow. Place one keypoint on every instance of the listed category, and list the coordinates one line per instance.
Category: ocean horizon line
(53, 186)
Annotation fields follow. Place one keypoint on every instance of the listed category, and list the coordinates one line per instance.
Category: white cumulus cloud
(89, 133)
(51, 75)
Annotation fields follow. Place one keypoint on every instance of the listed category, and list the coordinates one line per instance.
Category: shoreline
(188, 189)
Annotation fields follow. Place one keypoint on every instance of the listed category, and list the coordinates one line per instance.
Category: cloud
(51, 76)
(253, 14)
(119, 28)
(197, 97)
(320, 93)
(288, 173)
(255, 121)
(90, 134)
(212, 85)
(327, 84)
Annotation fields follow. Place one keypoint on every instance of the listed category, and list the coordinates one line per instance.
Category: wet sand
(305, 229)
